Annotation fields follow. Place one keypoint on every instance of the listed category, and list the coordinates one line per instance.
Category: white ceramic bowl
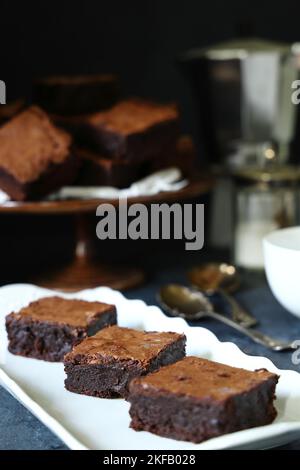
(282, 265)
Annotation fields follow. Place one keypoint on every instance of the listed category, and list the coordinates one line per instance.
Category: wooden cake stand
(84, 272)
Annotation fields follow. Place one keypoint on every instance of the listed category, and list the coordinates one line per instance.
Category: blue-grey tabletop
(19, 429)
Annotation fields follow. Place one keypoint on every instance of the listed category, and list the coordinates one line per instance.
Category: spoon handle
(257, 336)
(239, 314)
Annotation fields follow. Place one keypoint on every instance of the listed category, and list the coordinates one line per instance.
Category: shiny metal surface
(180, 301)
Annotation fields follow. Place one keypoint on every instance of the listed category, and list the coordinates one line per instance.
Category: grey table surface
(19, 429)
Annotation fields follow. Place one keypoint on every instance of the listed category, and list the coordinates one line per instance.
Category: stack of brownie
(103, 142)
(118, 142)
(187, 398)
(133, 138)
(36, 156)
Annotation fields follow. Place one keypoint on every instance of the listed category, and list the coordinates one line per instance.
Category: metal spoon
(180, 301)
(221, 278)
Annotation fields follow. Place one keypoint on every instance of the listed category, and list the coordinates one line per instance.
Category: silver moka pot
(243, 94)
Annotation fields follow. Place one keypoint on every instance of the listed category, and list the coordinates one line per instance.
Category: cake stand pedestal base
(84, 271)
(84, 275)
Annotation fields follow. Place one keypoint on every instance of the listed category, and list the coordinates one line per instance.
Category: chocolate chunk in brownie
(196, 399)
(35, 156)
(76, 94)
(48, 328)
(132, 130)
(104, 364)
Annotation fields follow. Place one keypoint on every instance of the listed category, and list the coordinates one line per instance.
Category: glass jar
(265, 200)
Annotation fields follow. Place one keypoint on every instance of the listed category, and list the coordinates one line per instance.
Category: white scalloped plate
(92, 423)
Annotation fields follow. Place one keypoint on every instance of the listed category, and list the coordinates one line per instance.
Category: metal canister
(242, 90)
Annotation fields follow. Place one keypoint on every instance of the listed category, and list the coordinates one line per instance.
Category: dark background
(139, 41)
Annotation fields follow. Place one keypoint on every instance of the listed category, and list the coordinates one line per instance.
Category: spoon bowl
(221, 278)
(180, 301)
(184, 302)
(210, 277)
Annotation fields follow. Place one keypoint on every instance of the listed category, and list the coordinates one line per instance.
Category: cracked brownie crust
(196, 399)
(48, 328)
(104, 365)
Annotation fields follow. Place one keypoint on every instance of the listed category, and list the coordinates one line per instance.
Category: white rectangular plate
(92, 423)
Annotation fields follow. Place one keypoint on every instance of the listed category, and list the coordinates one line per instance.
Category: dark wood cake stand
(84, 272)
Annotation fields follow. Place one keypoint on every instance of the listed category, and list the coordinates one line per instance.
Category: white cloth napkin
(3, 197)
(169, 179)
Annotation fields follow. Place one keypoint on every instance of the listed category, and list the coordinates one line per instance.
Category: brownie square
(49, 327)
(102, 171)
(103, 365)
(98, 170)
(196, 399)
(35, 156)
(133, 130)
(76, 94)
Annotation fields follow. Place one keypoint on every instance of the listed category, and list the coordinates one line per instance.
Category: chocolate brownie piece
(102, 171)
(98, 170)
(77, 94)
(48, 328)
(196, 399)
(104, 364)
(132, 130)
(35, 156)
